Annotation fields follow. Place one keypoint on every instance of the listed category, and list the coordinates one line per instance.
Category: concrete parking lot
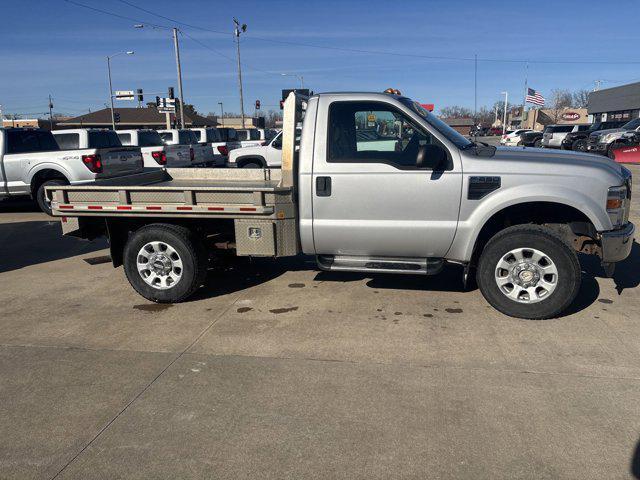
(278, 371)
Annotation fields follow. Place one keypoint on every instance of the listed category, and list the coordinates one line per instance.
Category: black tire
(613, 146)
(554, 247)
(538, 143)
(41, 200)
(579, 145)
(190, 250)
(251, 165)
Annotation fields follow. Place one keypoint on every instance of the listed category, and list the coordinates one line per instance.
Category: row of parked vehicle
(32, 159)
(599, 137)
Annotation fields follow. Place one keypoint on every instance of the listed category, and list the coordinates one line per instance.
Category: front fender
(469, 228)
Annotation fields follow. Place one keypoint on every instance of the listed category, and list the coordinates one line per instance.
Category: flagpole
(524, 97)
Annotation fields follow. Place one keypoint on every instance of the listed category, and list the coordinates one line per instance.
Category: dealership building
(617, 103)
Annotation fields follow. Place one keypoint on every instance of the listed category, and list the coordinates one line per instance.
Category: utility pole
(221, 112)
(475, 91)
(50, 113)
(113, 117)
(524, 97)
(237, 30)
(504, 118)
(177, 49)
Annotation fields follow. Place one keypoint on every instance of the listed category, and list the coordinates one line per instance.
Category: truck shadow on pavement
(627, 273)
(31, 243)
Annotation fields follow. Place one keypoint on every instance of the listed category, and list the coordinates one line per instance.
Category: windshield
(449, 133)
(632, 125)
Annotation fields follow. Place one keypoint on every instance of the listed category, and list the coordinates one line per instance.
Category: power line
(355, 50)
(73, 2)
(172, 19)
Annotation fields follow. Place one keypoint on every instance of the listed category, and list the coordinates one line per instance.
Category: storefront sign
(570, 116)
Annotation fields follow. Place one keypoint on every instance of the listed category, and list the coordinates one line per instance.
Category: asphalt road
(278, 371)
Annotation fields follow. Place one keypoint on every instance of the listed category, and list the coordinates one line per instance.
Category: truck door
(379, 187)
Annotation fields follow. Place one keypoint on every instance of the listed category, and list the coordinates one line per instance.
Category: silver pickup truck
(409, 199)
(32, 159)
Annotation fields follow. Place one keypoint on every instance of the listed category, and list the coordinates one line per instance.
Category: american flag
(534, 97)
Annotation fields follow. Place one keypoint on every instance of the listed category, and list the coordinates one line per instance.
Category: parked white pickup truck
(154, 152)
(31, 159)
(267, 155)
(514, 218)
(202, 154)
(212, 138)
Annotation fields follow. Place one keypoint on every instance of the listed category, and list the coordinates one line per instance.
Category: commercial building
(25, 123)
(460, 125)
(617, 103)
(538, 118)
(148, 117)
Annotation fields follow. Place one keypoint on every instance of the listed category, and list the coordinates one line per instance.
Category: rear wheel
(537, 143)
(41, 198)
(528, 271)
(165, 263)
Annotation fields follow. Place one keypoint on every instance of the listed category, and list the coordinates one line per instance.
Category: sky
(424, 48)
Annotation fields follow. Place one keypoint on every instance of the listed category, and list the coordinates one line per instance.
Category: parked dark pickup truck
(531, 139)
(578, 140)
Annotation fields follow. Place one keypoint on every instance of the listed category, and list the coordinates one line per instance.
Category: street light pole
(221, 112)
(113, 118)
(177, 49)
(109, 57)
(504, 118)
(237, 30)
(299, 77)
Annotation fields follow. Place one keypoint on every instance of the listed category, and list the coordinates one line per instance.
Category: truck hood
(608, 130)
(544, 160)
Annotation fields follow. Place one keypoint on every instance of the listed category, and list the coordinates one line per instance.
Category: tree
(456, 111)
(560, 100)
(581, 98)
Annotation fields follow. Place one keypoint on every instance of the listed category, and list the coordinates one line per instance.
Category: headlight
(617, 205)
(609, 137)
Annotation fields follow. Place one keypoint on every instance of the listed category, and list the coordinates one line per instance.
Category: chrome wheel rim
(159, 265)
(526, 275)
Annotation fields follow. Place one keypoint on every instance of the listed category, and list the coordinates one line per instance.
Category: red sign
(569, 116)
(627, 155)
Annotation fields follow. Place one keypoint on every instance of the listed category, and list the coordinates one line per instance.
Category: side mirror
(431, 157)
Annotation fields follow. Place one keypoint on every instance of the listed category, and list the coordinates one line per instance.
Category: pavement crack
(141, 392)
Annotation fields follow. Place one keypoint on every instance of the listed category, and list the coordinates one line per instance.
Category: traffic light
(116, 117)
(281, 104)
(257, 104)
(157, 101)
(140, 95)
(171, 95)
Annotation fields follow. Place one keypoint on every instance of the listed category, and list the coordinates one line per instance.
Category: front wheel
(165, 263)
(579, 145)
(528, 271)
(537, 143)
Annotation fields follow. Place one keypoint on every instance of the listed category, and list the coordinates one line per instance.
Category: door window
(375, 132)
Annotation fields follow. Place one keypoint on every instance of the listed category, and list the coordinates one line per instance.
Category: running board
(349, 263)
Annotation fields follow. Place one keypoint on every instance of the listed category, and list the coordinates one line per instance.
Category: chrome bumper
(617, 244)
